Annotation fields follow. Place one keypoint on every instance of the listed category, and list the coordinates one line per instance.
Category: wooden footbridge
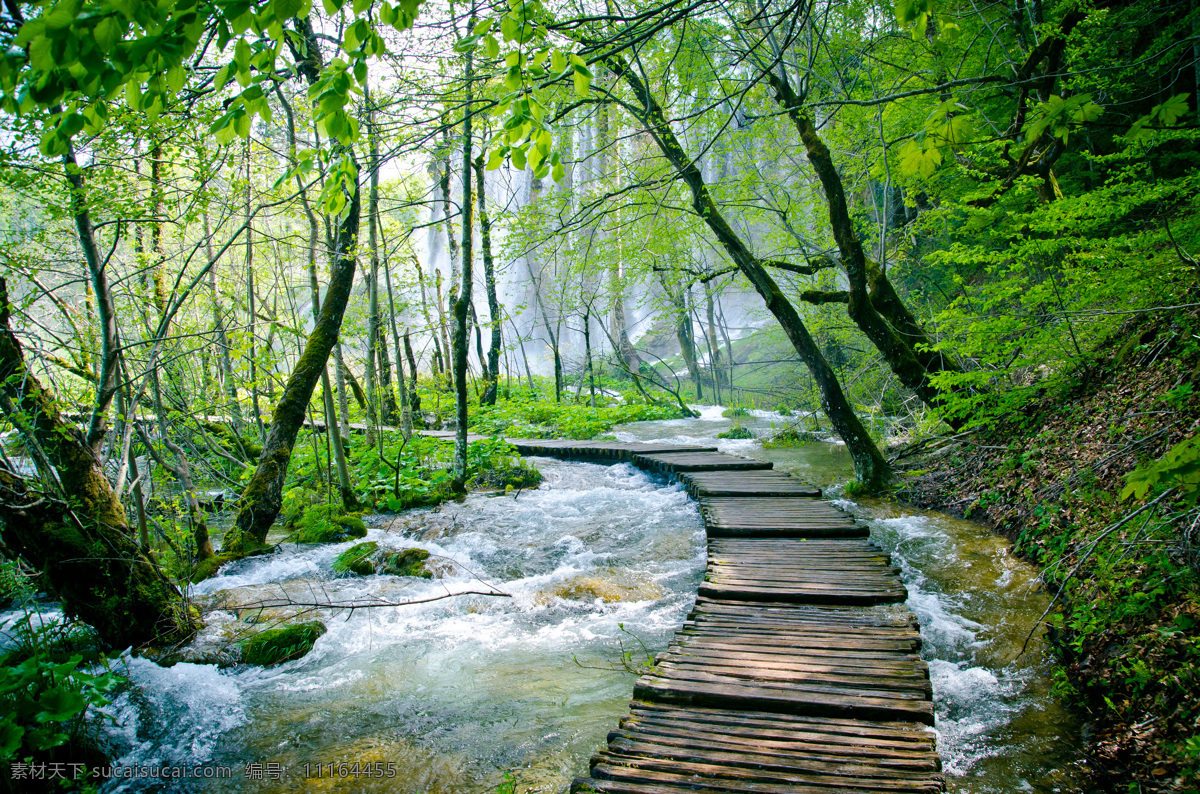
(797, 671)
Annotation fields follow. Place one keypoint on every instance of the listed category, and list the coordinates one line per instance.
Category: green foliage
(1178, 468)
(45, 693)
(737, 431)
(15, 584)
(548, 419)
(275, 646)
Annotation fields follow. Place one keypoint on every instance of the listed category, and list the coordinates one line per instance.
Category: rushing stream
(601, 565)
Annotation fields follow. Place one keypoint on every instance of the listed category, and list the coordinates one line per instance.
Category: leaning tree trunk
(869, 465)
(263, 497)
(874, 305)
(81, 540)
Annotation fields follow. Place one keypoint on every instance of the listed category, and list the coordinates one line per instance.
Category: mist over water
(601, 563)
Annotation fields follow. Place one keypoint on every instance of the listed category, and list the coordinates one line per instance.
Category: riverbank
(1127, 597)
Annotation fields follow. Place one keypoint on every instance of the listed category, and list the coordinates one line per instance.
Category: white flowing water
(461, 695)
(601, 564)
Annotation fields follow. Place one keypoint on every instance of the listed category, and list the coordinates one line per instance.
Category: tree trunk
(462, 302)
(879, 313)
(869, 465)
(263, 496)
(226, 363)
(489, 283)
(436, 363)
(94, 566)
(110, 345)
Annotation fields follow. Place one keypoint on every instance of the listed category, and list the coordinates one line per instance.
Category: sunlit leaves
(1166, 114)
(1059, 116)
(948, 126)
(919, 159)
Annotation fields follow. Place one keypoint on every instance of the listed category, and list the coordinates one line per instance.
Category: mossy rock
(406, 562)
(736, 412)
(276, 646)
(357, 559)
(208, 567)
(736, 432)
(328, 523)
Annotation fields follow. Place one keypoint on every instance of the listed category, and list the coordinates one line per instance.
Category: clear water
(466, 694)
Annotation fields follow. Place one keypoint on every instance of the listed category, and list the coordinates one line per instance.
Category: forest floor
(1050, 478)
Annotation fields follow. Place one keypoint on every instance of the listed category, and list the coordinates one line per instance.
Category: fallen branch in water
(354, 604)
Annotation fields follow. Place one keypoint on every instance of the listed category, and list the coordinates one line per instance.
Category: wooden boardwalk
(797, 671)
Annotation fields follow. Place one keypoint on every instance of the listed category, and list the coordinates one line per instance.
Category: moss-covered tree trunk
(489, 283)
(79, 538)
(462, 300)
(869, 465)
(263, 497)
(874, 305)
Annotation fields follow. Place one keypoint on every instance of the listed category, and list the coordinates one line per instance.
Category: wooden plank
(778, 682)
(746, 483)
(672, 462)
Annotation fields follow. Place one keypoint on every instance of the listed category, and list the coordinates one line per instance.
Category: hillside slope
(1124, 571)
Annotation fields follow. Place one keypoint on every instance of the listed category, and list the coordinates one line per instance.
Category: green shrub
(737, 431)
(328, 523)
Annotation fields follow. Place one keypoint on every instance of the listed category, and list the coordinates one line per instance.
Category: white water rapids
(469, 694)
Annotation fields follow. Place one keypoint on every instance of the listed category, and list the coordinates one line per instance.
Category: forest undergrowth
(1095, 482)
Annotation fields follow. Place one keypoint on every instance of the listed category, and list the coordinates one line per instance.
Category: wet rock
(608, 588)
(406, 562)
(275, 646)
(358, 559)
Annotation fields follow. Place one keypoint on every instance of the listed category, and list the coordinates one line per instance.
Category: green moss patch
(358, 559)
(407, 562)
(275, 646)
(328, 523)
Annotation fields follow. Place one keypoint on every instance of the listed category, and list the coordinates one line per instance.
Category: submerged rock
(275, 646)
(609, 589)
(358, 559)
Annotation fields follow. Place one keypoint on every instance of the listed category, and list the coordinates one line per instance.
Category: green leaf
(512, 78)
(60, 705)
(496, 158)
(175, 78)
(107, 33)
(62, 15)
(241, 55)
(10, 738)
(518, 158)
(582, 82)
(1170, 111)
(491, 47)
(558, 62)
(287, 9)
(558, 172)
